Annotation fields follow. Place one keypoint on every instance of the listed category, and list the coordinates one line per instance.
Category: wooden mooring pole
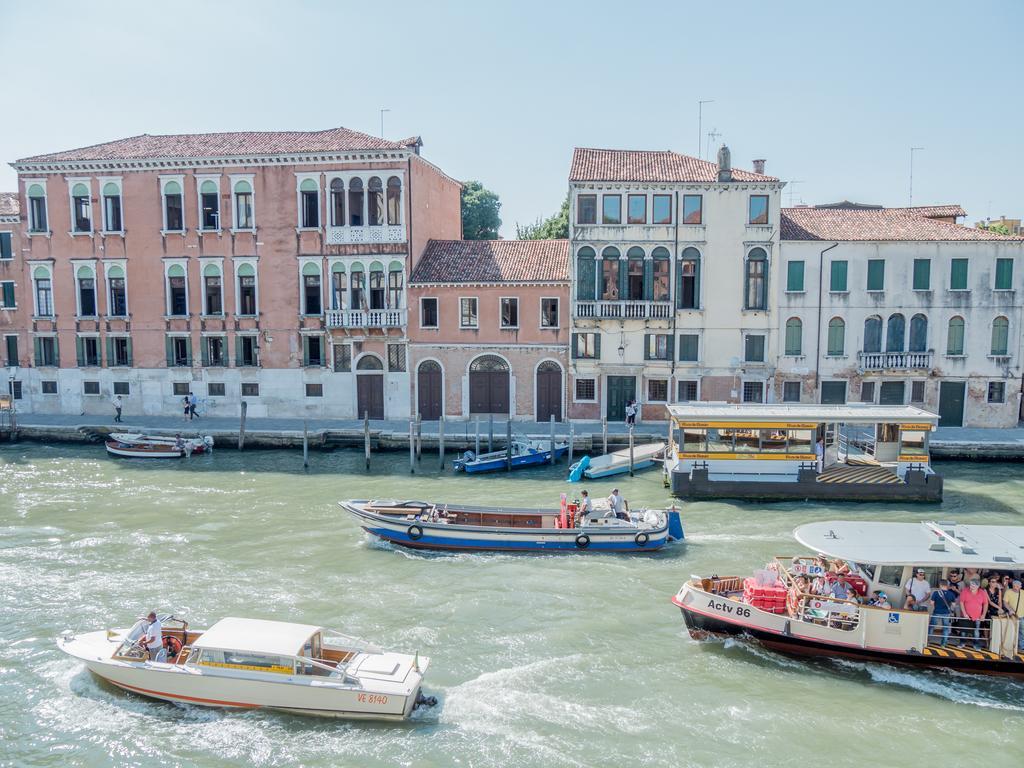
(412, 446)
(572, 440)
(241, 426)
(604, 434)
(552, 439)
(305, 444)
(508, 443)
(366, 438)
(631, 450)
(440, 440)
(490, 433)
(476, 446)
(419, 438)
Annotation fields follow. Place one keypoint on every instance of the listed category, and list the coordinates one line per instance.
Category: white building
(900, 306)
(673, 281)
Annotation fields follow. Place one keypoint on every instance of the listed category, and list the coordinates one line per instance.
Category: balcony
(366, 318)
(894, 361)
(625, 310)
(623, 233)
(356, 235)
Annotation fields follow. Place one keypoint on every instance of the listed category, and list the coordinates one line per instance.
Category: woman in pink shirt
(973, 605)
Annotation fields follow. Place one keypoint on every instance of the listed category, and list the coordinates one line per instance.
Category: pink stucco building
(265, 266)
(489, 329)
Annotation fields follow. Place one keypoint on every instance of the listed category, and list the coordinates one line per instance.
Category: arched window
(488, 363)
(339, 284)
(688, 280)
(376, 285)
(661, 260)
(895, 334)
(86, 292)
(174, 213)
(43, 291)
(36, 208)
(395, 285)
(955, 336)
(246, 289)
(118, 306)
(873, 334)
(337, 203)
(918, 334)
(311, 289)
(357, 285)
(81, 213)
(611, 274)
(756, 280)
(111, 207)
(209, 205)
(243, 205)
(394, 201)
(355, 203)
(836, 337)
(429, 366)
(794, 336)
(370, 363)
(213, 290)
(586, 275)
(635, 280)
(309, 208)
(1000, 336)
(177, 291)
(375, 202)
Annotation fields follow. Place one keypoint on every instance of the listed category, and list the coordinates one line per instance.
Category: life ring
(641, 539)
(173, 646)
(582, 541)
(415, 532)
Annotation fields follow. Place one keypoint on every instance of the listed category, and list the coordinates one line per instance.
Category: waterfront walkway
(946, 442)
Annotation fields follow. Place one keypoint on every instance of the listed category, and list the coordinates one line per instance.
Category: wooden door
(621, 389)
(549, 391)
(370, 394)
(428, 386)
(488, 385)
(951, 403)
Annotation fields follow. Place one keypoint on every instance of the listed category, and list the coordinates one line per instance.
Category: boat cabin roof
(280, 638)
(712, 414)
(925, 543)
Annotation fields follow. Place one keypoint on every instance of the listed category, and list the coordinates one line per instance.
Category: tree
(555, 227)
(999, 229)
(480, 206)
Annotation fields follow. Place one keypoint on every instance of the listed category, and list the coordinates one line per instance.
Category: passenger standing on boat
(616, 504)
(955, 582)
(1013, 602)
(587, 504)
(973, 603)
(880, 600)
(943, 602)
(918, 587)
(153, 639)
(840, 589)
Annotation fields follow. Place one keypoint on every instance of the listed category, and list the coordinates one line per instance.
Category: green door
(951, 403)
(621, 389)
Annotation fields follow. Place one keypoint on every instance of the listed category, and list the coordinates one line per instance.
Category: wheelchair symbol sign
(894, 618)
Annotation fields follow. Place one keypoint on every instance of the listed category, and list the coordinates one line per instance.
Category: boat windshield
(131, 646)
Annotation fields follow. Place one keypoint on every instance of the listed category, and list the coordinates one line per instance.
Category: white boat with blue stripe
(460, 527)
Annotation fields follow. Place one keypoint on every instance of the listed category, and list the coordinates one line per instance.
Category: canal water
(537, 660)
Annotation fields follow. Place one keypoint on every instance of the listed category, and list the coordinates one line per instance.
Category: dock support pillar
(440, 440)
(366, 438)
(490, 432)
(476, 445)
(241, 426)
(508, 443)
(631, 450)
(604, 434)
(572, 441)
(552, 439)
(412, 446)
(305, 444)
(419, 438)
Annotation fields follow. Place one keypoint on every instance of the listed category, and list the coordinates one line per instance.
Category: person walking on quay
(630, 413)
(819, 454)
(185, 404)
(192, 406)
(1013, 604)
(118, 405)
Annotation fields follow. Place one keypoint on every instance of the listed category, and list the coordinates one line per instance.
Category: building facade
(14, 298)
(900, 306)
(673, 281)
(491, 329)
(265, 266)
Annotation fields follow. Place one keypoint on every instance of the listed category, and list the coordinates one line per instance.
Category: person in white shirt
(586, 504)
(616, 504)
(919, 587)
(153, 640)
(819, 453)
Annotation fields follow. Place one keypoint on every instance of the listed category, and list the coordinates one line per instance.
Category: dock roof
(925, 543)
(280, 638)
(851, 413)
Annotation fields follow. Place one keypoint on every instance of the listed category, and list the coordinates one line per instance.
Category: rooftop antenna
(912, 151)
(700, 124)
(713, 134)
(792, 189)
(382, 121)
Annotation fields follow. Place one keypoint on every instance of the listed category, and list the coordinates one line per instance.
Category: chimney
(724, 164)
(759, 167)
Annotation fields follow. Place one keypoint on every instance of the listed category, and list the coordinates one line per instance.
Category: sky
(832, 94)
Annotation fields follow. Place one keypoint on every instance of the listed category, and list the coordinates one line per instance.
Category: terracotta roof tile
(493, 261)
(877, 224)
(9, 204)
(646, 165)
(928, 211)
(192, 145)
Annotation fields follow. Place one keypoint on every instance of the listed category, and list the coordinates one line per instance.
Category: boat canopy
(924, 543)
(796, 415)
(278, 638)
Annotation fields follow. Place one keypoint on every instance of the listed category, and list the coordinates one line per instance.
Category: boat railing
(997, 634)
(719, 585)
(832, 612)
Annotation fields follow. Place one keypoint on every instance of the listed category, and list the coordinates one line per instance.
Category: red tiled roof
(647, 165)
(493, 261)
(9, 205)
(191, 145)
(876, 224)
(929, 211)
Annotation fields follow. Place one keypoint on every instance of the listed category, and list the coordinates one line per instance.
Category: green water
(537, 660)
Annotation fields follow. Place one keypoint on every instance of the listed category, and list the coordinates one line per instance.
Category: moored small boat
(848, 601)
(617, 462)
(131, 445)
(425, 525)
(525, 453)
(256, 664)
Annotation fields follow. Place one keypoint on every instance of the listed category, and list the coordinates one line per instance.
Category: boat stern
(675, 525)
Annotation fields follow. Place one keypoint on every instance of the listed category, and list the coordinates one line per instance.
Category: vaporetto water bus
(256, 664)
(770, 452)
(873, 560)
(435, 526)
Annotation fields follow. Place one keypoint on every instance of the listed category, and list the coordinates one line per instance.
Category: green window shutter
(238, 351)
(837, 283)
(647, 346)
(204, 350)
(56, 351)
(876, 274)
(110, 351)
(1004, 274)
(8, 297)
(922, 274)
(575, 346)
(585, 278)
(188, 351)
(597, 346)
(688, 347)
(169, 348)
(671, 347)
(795, 276)
(305, 351)
(5, 245)
(679, 284)
(623, 278)
(128, 345)
(958, 275)
(38, 348)
(648, 279)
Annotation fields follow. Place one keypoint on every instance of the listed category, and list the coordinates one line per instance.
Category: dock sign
(894, 618)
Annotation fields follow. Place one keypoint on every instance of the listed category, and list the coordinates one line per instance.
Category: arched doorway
(549, 391)
(430, 396)
(488, 385)
(370, 387)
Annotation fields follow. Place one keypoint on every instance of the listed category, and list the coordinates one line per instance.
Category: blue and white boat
(458, 527)
(525, 453)
(617, 462)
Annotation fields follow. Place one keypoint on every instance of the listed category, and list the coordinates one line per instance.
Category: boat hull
(139, 452)
(518, 462)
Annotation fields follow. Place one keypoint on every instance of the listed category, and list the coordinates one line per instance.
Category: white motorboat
(617, 462)
(132, 445)
(255, 663)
